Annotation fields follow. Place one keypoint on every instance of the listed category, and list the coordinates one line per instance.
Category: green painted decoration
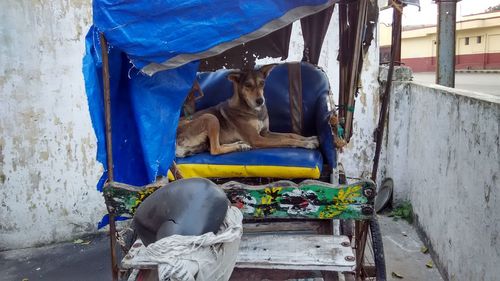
(283, 199)
(309, 199)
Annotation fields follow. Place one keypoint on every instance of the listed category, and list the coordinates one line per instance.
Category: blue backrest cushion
(218, 88)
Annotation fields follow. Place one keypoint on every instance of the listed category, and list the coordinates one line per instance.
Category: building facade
(477, 44)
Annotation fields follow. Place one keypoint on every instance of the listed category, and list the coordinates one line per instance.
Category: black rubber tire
(347, 228)
(378, 250)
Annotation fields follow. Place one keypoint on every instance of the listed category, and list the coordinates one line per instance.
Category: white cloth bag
(208, 257)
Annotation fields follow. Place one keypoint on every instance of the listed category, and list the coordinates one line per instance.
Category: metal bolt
(369, 192)
(350, 258)
(367, 210)
(345, 244)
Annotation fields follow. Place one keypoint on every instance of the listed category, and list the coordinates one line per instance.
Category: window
(466, 40)
(478, 40)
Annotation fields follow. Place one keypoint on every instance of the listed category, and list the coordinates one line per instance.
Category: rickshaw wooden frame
(357, 231)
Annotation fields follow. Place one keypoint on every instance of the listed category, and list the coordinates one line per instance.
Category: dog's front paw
(313, 138)
(312, 144)
(243, 146)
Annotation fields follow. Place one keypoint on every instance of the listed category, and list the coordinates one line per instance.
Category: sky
(428, 11)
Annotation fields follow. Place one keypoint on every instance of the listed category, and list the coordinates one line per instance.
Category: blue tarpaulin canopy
(154, 52)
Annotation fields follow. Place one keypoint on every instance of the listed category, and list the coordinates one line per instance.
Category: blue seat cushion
(268, 162)
(315, 98)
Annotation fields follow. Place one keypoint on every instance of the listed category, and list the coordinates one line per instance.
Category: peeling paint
(358, 155)
(43, 174)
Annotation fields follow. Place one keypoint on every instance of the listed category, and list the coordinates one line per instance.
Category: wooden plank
(135, 257)
(272, 251)
(349, 276)
(295, 252)
(252, 274)
(330, 276)
(278, 200)
(311, 226)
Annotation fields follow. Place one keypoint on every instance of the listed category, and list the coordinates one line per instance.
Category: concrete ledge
(466, 93)
(477, 71)
(401, 73)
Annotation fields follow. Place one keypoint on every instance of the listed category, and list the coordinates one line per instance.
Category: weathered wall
(48, 170)
(47, 145)
(357, 157)
(443, 154)
(358, 154)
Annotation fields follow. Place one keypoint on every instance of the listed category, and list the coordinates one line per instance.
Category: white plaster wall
(357, 157)
(358, 154)
(48, 170)
(443, 153)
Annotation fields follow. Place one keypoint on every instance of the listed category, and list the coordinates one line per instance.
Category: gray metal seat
(186, 207)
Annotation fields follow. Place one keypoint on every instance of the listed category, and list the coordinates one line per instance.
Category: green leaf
(429, 264)
(406, 213)
(424, 250)
(81, 242)
(397, 275)
(403, 211)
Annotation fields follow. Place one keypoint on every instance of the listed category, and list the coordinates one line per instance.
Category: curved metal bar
(109, 149)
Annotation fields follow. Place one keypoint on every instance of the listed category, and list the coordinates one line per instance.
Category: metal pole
(445, 72)
(107, 106)
(355, 65)
(109, 149)
(395, 45)
(397, 14)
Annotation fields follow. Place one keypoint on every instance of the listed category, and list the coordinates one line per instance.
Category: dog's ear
(234, 76)
(266, 69)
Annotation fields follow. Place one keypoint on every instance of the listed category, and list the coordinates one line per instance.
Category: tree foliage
(493, 8)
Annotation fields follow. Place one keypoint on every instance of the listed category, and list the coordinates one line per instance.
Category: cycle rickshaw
(142, 60)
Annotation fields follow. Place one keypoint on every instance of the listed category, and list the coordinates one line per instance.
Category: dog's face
(250, 85)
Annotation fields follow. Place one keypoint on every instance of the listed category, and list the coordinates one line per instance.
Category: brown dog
(238, 124)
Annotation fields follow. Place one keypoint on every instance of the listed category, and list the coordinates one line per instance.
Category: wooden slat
(272, 251)
(313, 226)
(253, 274)
(330, 276)
(295, 252)
(349, 276)
(135, 257)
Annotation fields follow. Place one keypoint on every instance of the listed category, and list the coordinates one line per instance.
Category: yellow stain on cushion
(235, 171)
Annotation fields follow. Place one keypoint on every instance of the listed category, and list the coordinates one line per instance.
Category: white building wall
(443, 153)
(357, 157)
(48, 170)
